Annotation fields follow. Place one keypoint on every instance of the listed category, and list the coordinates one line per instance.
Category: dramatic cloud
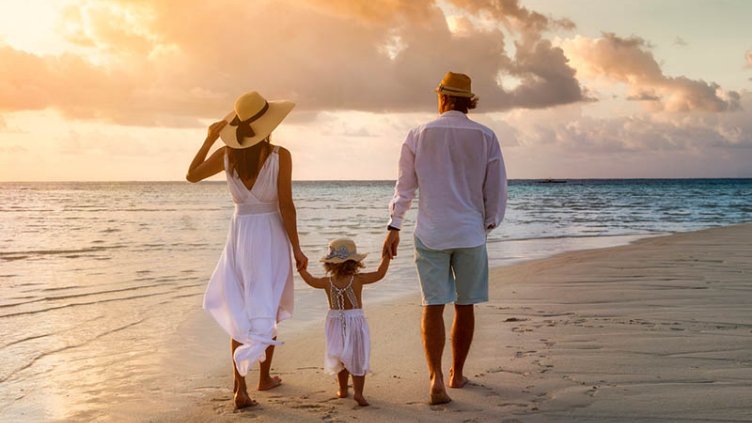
(571, 129)
(629, 60)
(170, 62)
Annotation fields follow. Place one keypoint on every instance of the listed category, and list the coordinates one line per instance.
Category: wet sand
(659, 330)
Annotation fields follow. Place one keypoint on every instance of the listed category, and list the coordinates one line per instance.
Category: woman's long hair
(247, 162)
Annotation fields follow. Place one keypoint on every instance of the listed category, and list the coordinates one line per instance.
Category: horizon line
(379, 180)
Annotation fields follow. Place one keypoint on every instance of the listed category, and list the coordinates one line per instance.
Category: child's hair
(340, 270)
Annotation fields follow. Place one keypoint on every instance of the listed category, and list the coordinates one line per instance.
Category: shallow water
(94, 277)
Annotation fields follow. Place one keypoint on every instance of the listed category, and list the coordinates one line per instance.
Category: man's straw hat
(253, 120)
(342, 250)
(455, 84)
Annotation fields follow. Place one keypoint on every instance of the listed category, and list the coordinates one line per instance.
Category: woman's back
(264, 189)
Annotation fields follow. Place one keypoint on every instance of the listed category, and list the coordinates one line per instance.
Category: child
(348, 341)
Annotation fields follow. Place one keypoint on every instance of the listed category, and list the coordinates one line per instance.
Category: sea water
(96, 278)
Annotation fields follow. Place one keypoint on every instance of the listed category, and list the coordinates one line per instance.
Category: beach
(101, 287)
(655, 331)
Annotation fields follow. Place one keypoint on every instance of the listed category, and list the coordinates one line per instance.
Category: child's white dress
(251, 288)
(348, 340)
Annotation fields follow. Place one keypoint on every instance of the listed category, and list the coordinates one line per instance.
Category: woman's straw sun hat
(342, 250)
(253, 119)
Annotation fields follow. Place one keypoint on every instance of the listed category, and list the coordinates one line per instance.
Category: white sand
(657, 331)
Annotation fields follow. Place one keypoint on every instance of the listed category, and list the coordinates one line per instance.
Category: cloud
(569, 128)
(748, 57)
(169, 63)
(681, 42)
(513, 16)
(630, 61)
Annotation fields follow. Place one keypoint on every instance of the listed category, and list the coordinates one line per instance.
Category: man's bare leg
(342, 378)
(240, 391)
(358, 384)
(462, 336)
(432, 329)
(266, 380)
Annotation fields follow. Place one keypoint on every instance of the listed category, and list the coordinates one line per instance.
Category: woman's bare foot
(457, 381)
(361, 400)
(269, 383)
(242, 400)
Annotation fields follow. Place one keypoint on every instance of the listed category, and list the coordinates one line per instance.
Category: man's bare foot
(242, 400)
(457, 381)
(440, 397)
(342, 393)
(270, 383)
(438, 393)
(360, 400)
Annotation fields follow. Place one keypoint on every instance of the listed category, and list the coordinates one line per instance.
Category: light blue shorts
(458, 275)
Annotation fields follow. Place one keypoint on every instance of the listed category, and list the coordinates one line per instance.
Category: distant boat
(552, 181)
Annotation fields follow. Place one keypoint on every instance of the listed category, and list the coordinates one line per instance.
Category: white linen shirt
(457, 165)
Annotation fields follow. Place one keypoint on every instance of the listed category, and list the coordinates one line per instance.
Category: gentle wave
(39, 356)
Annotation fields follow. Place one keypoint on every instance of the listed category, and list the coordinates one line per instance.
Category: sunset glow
(123, 90)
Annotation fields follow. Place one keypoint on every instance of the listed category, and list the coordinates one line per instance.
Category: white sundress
(251, 289)
(348, 339)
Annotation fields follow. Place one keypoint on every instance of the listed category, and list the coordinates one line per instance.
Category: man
(457, 165)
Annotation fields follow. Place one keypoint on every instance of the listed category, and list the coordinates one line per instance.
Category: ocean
(98, 280)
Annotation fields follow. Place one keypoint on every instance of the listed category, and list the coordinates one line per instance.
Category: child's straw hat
(342, 250)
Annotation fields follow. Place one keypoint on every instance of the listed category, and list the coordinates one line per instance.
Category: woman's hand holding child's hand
(301, 261)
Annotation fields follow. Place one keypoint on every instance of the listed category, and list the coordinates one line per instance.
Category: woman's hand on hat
(213, 132)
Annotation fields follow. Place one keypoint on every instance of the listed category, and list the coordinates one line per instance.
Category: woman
(251, 289)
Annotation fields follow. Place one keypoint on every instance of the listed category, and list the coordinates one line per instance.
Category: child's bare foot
(361, 400)
(342, 378)
(269, 383)
(242, 400)
(457, 381)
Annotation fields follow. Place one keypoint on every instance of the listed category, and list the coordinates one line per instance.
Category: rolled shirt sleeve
(495, 186)
(406, 186)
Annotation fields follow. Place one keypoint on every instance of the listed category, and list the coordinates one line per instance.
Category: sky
(99, 90)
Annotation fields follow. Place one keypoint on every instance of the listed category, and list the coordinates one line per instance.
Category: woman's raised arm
(200, 167)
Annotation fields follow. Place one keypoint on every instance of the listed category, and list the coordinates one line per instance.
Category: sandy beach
(656, 331)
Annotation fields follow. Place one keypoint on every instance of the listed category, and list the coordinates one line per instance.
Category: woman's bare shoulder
(282, 150)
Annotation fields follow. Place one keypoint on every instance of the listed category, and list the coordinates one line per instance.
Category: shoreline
(627, 333)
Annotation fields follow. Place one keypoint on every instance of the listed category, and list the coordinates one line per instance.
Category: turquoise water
(93, 274)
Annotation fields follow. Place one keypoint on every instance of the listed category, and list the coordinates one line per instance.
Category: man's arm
(404, 192)
(495, 187)
(407, 184)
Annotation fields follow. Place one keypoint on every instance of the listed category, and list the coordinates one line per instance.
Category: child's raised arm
(379, 274)
(315, 282)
